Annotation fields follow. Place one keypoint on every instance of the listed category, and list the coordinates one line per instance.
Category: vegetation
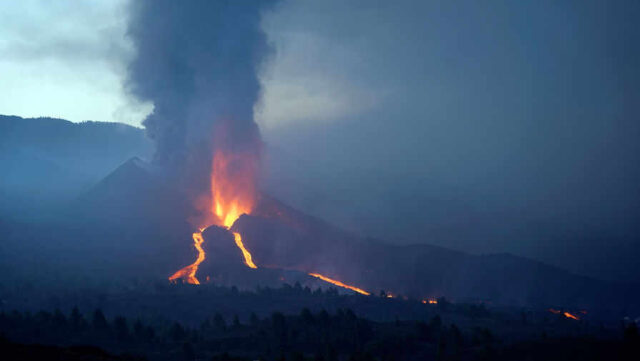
(305, 336)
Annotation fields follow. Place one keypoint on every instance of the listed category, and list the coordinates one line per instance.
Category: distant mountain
(48, 159)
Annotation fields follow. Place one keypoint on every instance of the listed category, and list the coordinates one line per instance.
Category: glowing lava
(340, 284)
(431, 301)
(188, 273)
(232, 195)
(565, 314)
(245, 253)
(232, 187)
(572, 316)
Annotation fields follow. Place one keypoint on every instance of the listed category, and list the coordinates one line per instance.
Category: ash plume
(197, 62)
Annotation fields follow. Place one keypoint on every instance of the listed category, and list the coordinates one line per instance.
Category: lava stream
(189, 272)
(572, 316)
(245, 252)
(565, 314)
(340, 284)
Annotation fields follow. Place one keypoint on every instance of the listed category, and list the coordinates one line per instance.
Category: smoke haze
(511, 127)
(197, 63)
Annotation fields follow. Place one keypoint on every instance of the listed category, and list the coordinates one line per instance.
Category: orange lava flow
(569, 315)
(565, 314)
(340, 284)
(189, 272)
(245, 253)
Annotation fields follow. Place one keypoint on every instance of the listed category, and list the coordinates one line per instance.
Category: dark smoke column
(197, 62)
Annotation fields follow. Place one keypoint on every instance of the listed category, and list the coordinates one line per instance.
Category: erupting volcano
(232, 194)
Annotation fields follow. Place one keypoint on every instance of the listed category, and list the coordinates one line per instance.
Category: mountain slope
(279, 236)
(47, 159)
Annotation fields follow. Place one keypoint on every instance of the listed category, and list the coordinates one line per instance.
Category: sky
(67, 59)
(484, 126)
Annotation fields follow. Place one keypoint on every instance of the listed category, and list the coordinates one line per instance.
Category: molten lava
(340, 284)
(565, 314)
(572, 316)
(188, 273)
(233, 192)
(245, 253)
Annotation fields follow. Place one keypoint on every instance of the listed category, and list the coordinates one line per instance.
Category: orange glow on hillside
(339, 284)
(431, 301)
(188, 273)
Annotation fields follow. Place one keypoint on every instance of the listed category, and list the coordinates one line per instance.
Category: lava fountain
(232, 195)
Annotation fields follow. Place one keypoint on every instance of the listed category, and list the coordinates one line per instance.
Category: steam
(196, 61)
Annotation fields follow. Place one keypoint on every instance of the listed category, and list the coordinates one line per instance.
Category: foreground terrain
(178, 322)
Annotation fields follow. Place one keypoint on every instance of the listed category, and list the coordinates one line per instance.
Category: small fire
(431, 301)
(339, 284)
(189, 272)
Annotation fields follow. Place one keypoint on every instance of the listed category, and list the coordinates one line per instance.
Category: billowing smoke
(197, 62)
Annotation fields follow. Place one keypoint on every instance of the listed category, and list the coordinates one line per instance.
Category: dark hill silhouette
(46, 160)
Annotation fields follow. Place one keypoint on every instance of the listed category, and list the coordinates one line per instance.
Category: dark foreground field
(182, 322)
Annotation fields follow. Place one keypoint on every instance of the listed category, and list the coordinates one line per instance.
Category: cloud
(67, 59)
